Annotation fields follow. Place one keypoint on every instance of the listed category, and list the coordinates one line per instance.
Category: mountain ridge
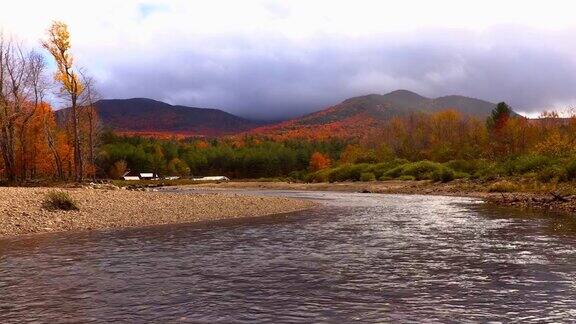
(144, 116)
(397, 103)
(357, 114)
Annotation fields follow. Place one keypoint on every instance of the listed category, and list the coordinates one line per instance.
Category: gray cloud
(271, 77)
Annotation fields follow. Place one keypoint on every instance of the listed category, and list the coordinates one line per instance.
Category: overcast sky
(273, 59)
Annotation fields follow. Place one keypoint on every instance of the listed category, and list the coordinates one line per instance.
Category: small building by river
(130, 176)
(212, 178)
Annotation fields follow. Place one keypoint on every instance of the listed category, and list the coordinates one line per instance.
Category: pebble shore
(22, 211)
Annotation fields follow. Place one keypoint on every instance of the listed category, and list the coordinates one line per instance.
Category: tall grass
(59, 200)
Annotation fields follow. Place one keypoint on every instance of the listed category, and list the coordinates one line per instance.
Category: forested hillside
(355, 117)
(141, 116)
(441, 146)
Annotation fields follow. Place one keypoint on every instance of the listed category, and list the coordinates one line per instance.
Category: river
(355, 258)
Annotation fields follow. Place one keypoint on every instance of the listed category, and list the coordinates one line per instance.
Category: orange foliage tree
(71, 85)
(319, 161)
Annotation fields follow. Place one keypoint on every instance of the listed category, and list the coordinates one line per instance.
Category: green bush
(570, 170)
(318, 176)
(535, 167)
(59, 200)
(367, 176)
(551, 173)
(393, 173)
(526, 163)
(491, 172)
(443, 175)
(348, 172)
(381, 169)
(421, 170)
(468, 166)
(502, 186)
(460, 175)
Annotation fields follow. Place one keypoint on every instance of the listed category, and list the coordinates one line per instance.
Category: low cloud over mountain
(272, 60)
(276, 78)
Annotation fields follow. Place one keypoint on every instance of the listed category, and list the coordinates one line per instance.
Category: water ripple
(359, 258)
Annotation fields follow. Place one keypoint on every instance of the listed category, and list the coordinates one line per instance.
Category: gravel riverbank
(22, 211)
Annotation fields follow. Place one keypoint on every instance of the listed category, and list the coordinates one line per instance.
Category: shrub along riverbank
(529, 167)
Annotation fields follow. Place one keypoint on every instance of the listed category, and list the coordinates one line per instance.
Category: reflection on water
(359, 257)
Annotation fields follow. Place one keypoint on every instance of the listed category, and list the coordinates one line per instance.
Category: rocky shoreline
(22, 211)
(544, 200)
(106, 206)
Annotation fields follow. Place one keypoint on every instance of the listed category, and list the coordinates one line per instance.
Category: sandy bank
(21, 210)
(547, 200)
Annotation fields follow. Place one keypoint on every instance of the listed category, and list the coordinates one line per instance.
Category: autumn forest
(34, 141)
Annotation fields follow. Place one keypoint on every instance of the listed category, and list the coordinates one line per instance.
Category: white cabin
(129, 176)
(148, 176)
(212, 178)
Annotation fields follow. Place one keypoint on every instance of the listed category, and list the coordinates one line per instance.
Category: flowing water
(355, 258)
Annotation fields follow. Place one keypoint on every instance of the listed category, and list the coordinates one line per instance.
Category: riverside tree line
(439, 146)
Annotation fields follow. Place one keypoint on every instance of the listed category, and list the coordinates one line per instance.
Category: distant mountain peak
(404, 93)
(400, 102)
(137, 99)
(356, 115)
